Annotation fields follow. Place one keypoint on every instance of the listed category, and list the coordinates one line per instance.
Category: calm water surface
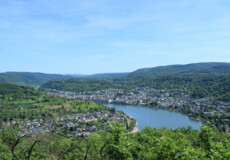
(156, 118)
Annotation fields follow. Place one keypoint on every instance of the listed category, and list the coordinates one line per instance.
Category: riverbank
(155, 118)
(135, 129)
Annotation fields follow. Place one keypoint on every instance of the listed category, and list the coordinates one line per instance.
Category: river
(156, 118)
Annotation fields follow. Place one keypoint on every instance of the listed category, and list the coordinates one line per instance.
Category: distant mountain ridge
(211, 67)
(200, 80)
(29, 78)
(36, 79)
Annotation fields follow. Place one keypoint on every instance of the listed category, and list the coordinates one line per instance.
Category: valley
(64, 118)
(114, 80)
(209, 111)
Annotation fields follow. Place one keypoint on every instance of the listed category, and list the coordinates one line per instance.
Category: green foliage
(14, 92)
(116, 143)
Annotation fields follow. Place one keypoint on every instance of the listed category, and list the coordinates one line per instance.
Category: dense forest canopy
(7, 89)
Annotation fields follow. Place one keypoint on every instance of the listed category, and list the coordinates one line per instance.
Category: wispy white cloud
(132, 32)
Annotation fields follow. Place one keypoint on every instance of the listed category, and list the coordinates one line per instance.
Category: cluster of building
(72, 122)
(173, 98)
(146, 97)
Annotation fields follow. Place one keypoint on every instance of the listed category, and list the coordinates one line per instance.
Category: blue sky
(99, 36)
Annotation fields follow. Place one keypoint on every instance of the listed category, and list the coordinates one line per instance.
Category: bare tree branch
(15, 144)
(29, 151)
(101, 154)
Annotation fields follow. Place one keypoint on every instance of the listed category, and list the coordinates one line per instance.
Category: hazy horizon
(91, 37)
(111, 72)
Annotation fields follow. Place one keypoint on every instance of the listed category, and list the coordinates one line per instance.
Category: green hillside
(195, 68)
(29, 79)
(199, 80)
(25, 105)
(11, 92)
(22, 103)
(77, 84)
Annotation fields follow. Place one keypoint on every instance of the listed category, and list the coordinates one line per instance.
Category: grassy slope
(19, 102)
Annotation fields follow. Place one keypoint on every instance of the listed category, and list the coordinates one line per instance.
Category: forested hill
(11, 95)
(14, 92)
(28, 78)
(195, 68)
(199, 80)
(23, 103)
(77, 84)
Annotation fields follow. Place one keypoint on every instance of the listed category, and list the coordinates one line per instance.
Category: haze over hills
(108, 76)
